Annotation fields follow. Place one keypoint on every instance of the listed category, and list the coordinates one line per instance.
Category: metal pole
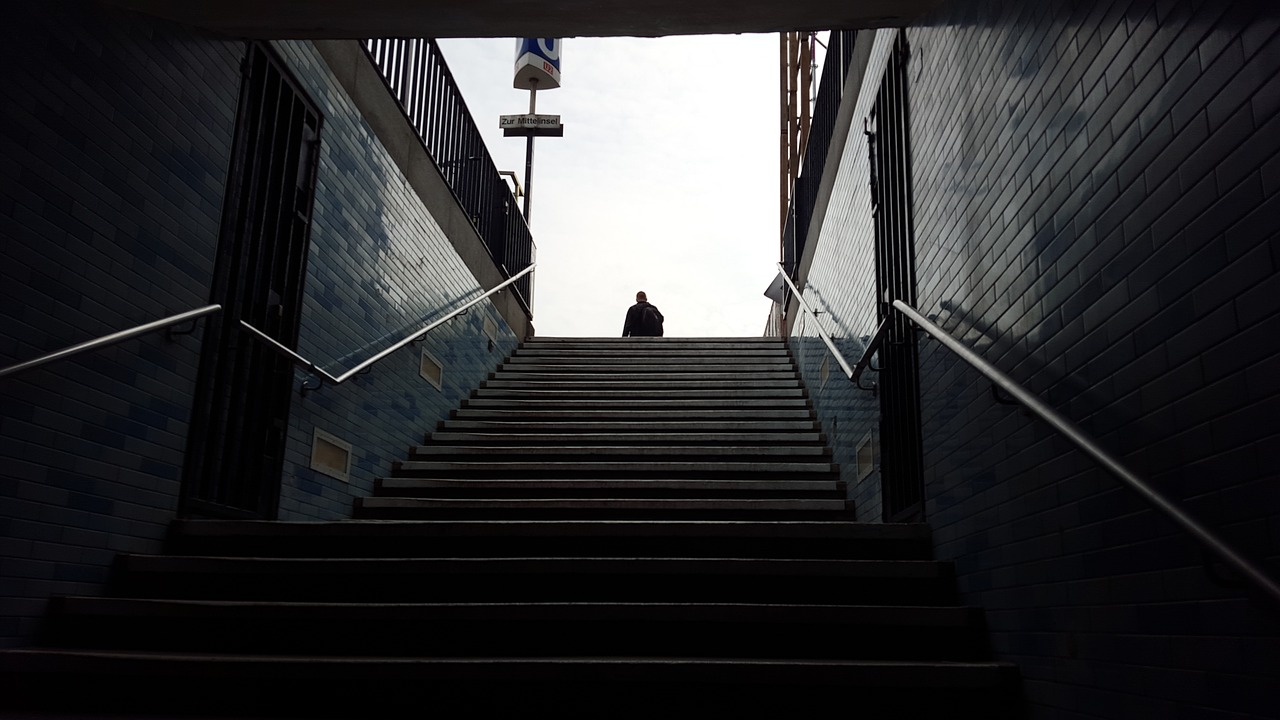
(528, 151)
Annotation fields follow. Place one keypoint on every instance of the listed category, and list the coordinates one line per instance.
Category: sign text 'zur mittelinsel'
(537, 66)
(536, 125)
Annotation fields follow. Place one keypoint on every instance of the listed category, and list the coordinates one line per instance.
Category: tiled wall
(380, 267)
(841, 287)
(114, 145)
(1096, 194)
(115, 136)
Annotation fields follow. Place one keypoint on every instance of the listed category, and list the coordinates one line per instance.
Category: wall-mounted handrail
(323, 375)
(1090, 447)
(844, 364)
(112, 339)
(864, 362)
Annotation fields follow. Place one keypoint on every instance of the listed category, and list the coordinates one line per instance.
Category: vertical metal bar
(419, 86)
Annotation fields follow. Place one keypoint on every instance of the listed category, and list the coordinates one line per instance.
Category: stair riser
(565, 545)
(682, 428)
(647, 384)
(525, 377)
(623, 406)
(289, 688)
(636, 417)
(638, 393)
(651, 359)
(618, 453)
(419, 487)
(620, 371)
(462, 514)
(356, 586)
(635, 438)
(723, 353)
(388, 634)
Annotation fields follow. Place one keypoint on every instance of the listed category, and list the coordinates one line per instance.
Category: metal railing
(112, 339)
(844, 364)
(416, 74)
(321, 375)
(1082, 440)
(1207, 538)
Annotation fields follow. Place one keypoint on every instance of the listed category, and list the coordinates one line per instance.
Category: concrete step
(648, 383)
(536, 579)
(646, 453)
(674, 403)
(693, 469)
(519, 629)
(589, 427)
(443, 508)
(158, 683)
(597, 487)
(647, 379)
(651, 344)
(667, 351)
(839, 539)
(557, 414)
(634, 393)
(668, 439)
(624, 369)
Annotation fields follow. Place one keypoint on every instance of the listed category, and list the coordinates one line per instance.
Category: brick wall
(1095, 193)
(115, 138)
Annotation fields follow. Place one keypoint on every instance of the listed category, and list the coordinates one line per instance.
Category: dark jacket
(634, 326)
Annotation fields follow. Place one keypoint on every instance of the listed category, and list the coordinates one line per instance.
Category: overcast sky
(666, 179)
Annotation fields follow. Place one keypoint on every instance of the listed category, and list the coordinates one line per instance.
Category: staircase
(607, 528)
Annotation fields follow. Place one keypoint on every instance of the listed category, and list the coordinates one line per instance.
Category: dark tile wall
(1095, 197)
(841, 288)
(380, 267)
(114, 145)
(115, 134)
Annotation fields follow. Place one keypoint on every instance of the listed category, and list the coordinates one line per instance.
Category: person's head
(640, 297)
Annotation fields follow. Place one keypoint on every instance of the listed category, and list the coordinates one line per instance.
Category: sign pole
(528, 152)
(537, 64)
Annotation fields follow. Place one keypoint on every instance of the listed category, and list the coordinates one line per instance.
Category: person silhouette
(643, 319)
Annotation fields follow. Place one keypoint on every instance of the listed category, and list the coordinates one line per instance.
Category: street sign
(531, 125)
(537, 59)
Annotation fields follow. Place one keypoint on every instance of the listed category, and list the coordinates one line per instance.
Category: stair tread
(835, 529)
(650, 451)
(535, 565)
(798, 485)
(632, 414)
(669, 504)
(116, 661)
(626, 404)
(621, 439)
(589, 427)
(773, 613)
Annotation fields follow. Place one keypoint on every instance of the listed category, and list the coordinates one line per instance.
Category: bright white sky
(666, 179)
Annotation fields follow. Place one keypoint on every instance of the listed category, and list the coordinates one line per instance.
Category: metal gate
(888, 143)
(235, 451)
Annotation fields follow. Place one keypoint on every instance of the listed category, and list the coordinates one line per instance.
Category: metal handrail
(844, 364)
(322, 375)
(112, 339)
(1089, 446)
(864, 362)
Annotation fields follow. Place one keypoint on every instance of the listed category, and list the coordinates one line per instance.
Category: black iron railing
(418, 77)
(835, 68)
